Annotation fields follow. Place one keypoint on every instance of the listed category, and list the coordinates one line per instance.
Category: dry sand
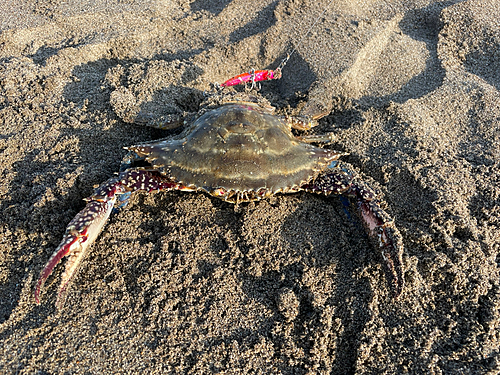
(183, 283)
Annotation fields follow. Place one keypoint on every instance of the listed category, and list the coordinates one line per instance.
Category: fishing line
(301, 40)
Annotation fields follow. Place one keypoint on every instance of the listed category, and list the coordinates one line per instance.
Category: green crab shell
(241, 149)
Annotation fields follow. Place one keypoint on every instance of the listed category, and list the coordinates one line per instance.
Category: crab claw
(381, 229)
(340, 178)
(80, 234)
(83, 230)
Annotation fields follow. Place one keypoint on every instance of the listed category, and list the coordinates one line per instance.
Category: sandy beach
(184, 283)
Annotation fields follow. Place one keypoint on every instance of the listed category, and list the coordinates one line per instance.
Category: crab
(234, 148)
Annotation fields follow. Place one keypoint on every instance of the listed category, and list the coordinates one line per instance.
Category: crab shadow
(22, 214)
(89, 85)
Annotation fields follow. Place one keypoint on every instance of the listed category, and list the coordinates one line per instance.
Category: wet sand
(182, 283)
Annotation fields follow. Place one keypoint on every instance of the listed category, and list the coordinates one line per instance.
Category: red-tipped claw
(381, 229)
(83, 230)
(80, 234)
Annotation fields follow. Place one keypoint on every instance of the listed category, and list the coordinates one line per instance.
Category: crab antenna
(288, 55)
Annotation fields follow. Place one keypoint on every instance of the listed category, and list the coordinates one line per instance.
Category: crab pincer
(85, 227)
(340, 178)
(80, 233)
(380, 227)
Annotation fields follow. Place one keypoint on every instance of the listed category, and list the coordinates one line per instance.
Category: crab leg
(253, 76)
(378, 224)
(83, 230)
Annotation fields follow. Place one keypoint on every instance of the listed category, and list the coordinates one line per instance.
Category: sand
(182, 283)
